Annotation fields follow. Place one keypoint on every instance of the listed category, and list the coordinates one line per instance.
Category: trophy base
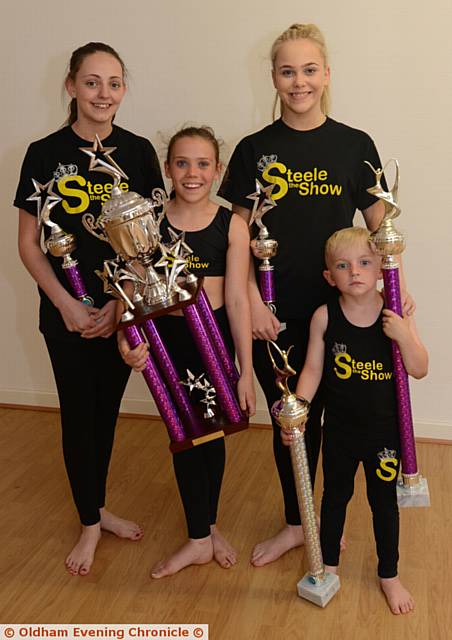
(141, 313)
(413, 496)
(320, 593)
(213, 428)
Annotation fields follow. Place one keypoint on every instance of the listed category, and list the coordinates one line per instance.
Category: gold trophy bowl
(264, 248)
(60, 243)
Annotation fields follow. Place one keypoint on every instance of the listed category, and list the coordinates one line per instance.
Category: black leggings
(342, 454)
(199, 470)
(297, 334)
(91, 378)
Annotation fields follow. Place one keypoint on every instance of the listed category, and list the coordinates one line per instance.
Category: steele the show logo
(371, 370)
(69, 183)
(311, 182)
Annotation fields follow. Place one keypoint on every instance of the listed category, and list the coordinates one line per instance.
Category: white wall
(208, 63)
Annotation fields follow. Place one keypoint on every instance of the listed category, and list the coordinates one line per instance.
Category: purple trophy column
(172, 378)
(216, 339)
(212, 363)
(407, 444)
(157, 388)
(76, 281)
(267, 285)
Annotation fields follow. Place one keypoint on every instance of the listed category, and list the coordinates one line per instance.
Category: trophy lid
(123, 206)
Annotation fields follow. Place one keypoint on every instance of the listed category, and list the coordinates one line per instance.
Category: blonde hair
(346, 237)
(298, 32)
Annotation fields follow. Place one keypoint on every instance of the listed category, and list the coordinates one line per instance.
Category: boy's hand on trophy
(286, 437)
(394, 326)
(408, 303)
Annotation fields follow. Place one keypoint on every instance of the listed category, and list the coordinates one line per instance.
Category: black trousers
(342, 453)
(297, 334)
(199, 470)
(91, 378)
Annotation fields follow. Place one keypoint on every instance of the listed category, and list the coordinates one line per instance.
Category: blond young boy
(350, 351)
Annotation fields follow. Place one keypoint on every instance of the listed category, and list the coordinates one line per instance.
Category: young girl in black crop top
(220, 253)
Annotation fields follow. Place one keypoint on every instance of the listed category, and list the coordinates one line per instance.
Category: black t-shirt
(58, 156)
(209, 245)
(320, 180)
(358, 378)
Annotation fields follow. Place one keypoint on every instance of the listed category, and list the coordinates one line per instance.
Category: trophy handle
(90, 224)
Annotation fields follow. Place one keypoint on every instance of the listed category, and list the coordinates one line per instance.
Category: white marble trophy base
(319, 593)
(415, 496)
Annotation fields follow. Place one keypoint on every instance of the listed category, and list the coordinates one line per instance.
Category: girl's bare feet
(398, 598)
(223, 553)
(195, 551)
(273, 548)
(81, 558)
(118, 526)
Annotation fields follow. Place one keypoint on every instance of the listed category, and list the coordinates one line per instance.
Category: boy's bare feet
(329, 569)
(118, 526)
(399, 599)
(81, 558)
(223, 553)
(273, 548)
(195, 551)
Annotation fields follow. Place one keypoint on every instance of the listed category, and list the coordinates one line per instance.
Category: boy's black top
(82, 191)
(358, 375)
(320, 180)
(209, 245)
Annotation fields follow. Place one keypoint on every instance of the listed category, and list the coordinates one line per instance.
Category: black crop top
(209, 245)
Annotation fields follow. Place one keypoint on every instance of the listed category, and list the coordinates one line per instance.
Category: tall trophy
(59, 244)
(262, 246)
(412, 490)
(291, 413)
(150, 287)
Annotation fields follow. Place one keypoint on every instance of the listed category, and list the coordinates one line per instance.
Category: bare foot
(195, 551)
(118, 526)
(399, 599)
(273, 548)
(223, 553)
(329, 569)
(81, 558)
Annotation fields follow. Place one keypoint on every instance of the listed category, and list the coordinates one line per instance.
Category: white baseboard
(432, 431)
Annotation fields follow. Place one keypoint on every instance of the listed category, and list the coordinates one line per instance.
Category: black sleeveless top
(209, 245)
(358, 373)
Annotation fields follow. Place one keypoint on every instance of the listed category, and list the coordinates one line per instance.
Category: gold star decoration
(179, 245)
(262, 202)
(101, 160)
(111, 276)
(173, 264)
(44, 194)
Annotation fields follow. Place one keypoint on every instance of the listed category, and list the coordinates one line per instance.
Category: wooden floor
(38, 527)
